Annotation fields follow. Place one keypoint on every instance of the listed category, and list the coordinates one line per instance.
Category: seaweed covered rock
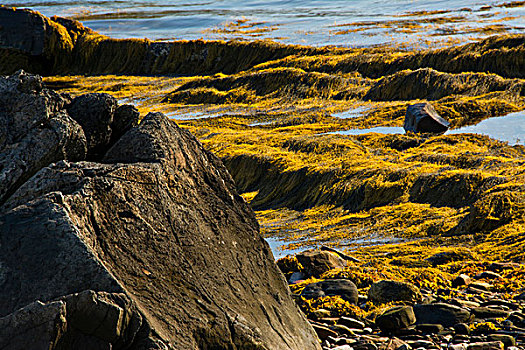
(423, 118)
(151, 244)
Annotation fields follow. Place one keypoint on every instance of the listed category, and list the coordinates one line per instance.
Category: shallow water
(416, 23)
(510, 128)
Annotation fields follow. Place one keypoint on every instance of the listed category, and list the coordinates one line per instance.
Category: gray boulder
(423, 118)
(316, 262)
(150, 247)
(94, 112)
(34, 131)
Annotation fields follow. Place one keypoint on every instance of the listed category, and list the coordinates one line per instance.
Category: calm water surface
(412, 23)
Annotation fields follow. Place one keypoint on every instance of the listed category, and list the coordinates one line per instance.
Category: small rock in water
(423, 118)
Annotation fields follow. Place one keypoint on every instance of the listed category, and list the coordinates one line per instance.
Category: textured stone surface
(158, 222)
(94, 112)
(34, 131)
(87, 320)
(388, 291)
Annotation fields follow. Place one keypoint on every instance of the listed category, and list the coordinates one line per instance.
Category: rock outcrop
(145, 246)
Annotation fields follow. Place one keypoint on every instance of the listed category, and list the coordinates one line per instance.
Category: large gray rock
(396, 319)
(94, 112)
(34, 131)
(423, 118)
(159, 222)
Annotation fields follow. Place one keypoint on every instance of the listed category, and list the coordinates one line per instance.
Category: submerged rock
(156, 228)
(423, 118)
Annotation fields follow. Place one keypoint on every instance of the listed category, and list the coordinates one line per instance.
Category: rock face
(423, 118)
(150, 243)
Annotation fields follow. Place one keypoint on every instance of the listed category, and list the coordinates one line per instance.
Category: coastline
(273, 105)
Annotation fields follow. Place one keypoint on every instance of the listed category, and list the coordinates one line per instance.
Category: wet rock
(387, 291)
(344, 288)
(423, 118)
(324, 332)
(316, 262)
(444, 314)
(461, 280)
(158, 222)
(395, 319)
(94, 112)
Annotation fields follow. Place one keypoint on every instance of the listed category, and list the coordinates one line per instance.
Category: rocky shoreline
(120, 229)
(469, 313)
